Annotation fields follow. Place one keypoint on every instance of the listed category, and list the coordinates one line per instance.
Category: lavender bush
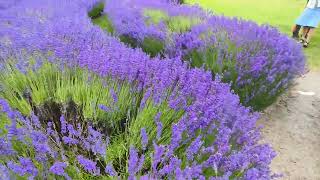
(258, 61)
(78, 104)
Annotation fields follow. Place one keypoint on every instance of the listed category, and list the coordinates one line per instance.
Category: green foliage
(174, 23)
(104, 23)
(154, 16)
(132, 42)
(152, 46)
(181, 24)
(215, 61)
(96, 11)
(87, 90)
(146, 119)
(262, 100)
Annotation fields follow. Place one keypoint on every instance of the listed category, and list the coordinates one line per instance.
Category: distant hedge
(259, 62)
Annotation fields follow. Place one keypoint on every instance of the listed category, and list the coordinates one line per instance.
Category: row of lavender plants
(259, 62)
(76, 103)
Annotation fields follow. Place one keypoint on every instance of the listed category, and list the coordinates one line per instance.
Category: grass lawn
(278, 13)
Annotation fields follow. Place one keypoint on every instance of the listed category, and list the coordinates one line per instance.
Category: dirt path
(292, 126)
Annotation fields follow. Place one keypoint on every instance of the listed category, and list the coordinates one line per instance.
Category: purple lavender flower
(4, 173)
(58, 168)
(12, 129)
(69, 140)
(194, 148)
(159, 125)
(88, 165)
(133, 162)
(144, 137)
(72, 131)
(176, 136)
(243, 56)
(39, 140)
(63, 124)
(104, 108)
(35, 120)
(110, 170)
(157, 156)
(173, 166)
(99, 147)
(6, 147)
(198, 102)
(114, 95)
(50, 128)
(26, 167)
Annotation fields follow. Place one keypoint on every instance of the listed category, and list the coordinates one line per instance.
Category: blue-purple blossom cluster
(215, 136)
(47, 146)
(258, 61)
(47, 150)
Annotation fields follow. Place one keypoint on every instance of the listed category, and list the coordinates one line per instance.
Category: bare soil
(292, 127)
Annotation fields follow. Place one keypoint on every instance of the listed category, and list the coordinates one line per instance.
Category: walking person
(309, 20)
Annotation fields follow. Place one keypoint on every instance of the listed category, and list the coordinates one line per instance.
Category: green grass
(278, 13)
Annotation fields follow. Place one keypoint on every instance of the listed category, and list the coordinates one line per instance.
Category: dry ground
(292, 126)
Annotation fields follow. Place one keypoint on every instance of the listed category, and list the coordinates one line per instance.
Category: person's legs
(304, 34)
(295, 31)
(309, 33)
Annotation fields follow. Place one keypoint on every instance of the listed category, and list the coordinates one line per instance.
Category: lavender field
(137, 89)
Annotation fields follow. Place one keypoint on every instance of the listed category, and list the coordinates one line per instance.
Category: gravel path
(292, 126)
